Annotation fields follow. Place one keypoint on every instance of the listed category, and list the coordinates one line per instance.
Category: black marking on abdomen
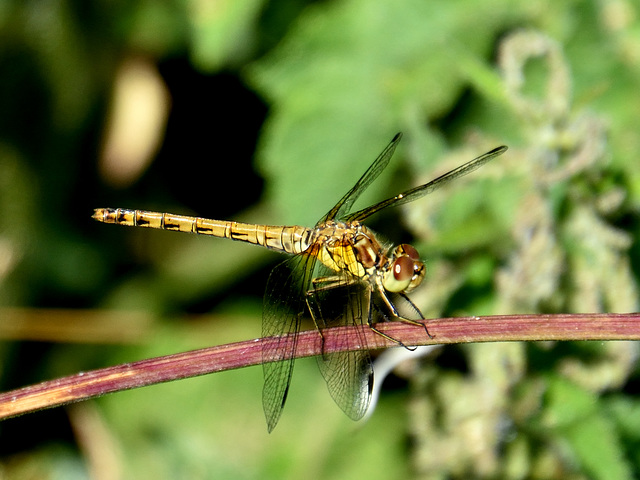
(121, 215)
(171, 226)
(236, 235)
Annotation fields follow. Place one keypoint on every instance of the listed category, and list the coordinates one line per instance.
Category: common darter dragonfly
(340, 274)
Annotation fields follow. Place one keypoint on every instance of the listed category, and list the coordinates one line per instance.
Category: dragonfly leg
(373, 306)
(417, 310)
(315, 312)
(396, 314)
(320, 284)
(326, 283)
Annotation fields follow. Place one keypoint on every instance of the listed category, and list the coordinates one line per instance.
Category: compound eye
(403, 269)
(406, 249)
(400, 275)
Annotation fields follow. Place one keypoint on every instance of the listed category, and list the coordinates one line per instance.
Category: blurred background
(269, 112)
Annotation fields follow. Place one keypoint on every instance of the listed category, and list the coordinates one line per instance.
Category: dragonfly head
(405, 271)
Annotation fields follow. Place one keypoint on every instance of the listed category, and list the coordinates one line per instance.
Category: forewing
(418, 192)
(344, 205)
(349, 375)
(284, 308)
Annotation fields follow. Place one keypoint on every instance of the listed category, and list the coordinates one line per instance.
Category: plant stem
(506, 328)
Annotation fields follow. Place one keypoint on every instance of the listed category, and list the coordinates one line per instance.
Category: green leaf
(580, 418)
(597, 446)
(222, 31)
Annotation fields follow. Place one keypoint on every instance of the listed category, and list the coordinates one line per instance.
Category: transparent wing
(349, 377)
(284, 307)
(343, 301)
(418, 192)
(380, 163)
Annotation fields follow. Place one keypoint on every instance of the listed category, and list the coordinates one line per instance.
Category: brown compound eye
(399, 275)
(403, 268)
(406, 249)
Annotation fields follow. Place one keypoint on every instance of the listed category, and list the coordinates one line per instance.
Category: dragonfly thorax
(353, 248)
(347, 247)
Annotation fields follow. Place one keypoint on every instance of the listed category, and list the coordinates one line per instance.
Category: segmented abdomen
(288, 239)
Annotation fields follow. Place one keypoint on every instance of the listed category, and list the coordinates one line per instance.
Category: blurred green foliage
(323, 86)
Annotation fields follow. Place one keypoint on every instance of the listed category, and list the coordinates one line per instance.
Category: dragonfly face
(339, 274)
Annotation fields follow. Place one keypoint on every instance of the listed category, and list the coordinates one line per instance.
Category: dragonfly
(339, 273)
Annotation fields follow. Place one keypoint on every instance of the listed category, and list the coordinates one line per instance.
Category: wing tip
(499, 150)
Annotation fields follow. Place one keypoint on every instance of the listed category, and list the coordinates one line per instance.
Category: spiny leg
(321, 284)
(327, 283)
(417, 310)
(373, 306)
(394, 312)
(314, 310)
